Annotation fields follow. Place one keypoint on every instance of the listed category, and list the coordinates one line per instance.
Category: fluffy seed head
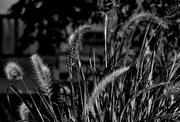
(24, 111)
(103, 83)
(13, 71)
(75, 43)
(131, 24)
(78, 33)
(43, 74)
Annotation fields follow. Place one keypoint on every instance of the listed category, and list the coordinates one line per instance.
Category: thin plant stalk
(94, 59)
(40, 115)
(105, 39)
(72, 88)
(172, 67)
(94, 66)
(141, 63)
(51, 109)
(73, 95)
(127, 52)
(84, 83)
(150, 82)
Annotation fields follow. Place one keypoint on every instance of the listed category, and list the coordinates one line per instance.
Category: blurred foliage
(120, 11)
(47, 21)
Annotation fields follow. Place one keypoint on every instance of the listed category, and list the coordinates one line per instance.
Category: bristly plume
(75, 43)
(101, 86)
(13, 71)
(24, 112)
(131, 24)
(43, 74)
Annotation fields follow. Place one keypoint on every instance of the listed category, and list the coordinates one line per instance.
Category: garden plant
(138, 81)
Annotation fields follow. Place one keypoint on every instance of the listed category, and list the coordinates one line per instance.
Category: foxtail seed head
(101, 86)
(24, 111)
(43, 74)
(75, 43)
(13, 71)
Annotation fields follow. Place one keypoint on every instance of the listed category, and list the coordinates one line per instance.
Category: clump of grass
(135, 92)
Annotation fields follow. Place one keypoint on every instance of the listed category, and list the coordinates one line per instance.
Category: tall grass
(137, 82)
